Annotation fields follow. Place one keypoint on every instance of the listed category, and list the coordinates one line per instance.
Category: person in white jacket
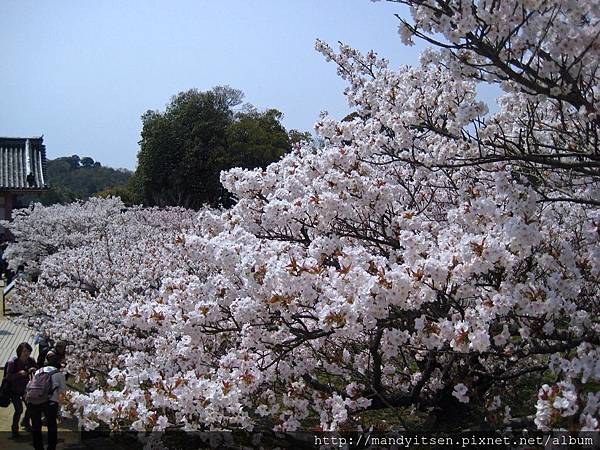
(51, 407)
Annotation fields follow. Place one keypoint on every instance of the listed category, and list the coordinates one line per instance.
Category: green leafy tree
(87, 161)
(125, 193)
(73, 160)
(184, 149)
(256, 139)
(296, 137)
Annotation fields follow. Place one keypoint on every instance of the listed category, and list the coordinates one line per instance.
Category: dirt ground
(67, 433)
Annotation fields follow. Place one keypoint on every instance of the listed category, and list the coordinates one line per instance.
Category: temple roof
(22, 164)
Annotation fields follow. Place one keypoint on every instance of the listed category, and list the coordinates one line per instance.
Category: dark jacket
(44, 346)
(62, 356)
(18, 382)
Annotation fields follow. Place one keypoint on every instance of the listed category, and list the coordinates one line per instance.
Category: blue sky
(83, 72)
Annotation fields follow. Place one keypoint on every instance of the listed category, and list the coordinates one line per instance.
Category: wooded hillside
(74, 177)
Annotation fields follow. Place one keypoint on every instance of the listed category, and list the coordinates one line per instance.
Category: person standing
(46, 401)
(60, 349)
(45, 343)
(18, 372)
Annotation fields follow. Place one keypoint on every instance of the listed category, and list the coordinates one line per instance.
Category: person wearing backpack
(17, 371)
(43, 396)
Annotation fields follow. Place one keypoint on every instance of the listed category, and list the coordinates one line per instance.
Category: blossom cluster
(89, 261)
(429, 254)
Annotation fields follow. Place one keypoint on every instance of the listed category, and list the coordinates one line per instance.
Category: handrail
(2, 281)
(5, 291)
(10, 286)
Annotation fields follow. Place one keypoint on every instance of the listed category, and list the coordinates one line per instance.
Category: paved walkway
(11, 335)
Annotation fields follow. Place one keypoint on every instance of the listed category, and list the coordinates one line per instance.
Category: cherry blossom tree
(40, 232)
(429, 255)
(93, 259)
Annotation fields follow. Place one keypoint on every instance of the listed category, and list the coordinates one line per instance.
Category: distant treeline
(74, 177)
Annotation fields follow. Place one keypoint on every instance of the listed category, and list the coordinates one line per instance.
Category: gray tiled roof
(22, 163)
